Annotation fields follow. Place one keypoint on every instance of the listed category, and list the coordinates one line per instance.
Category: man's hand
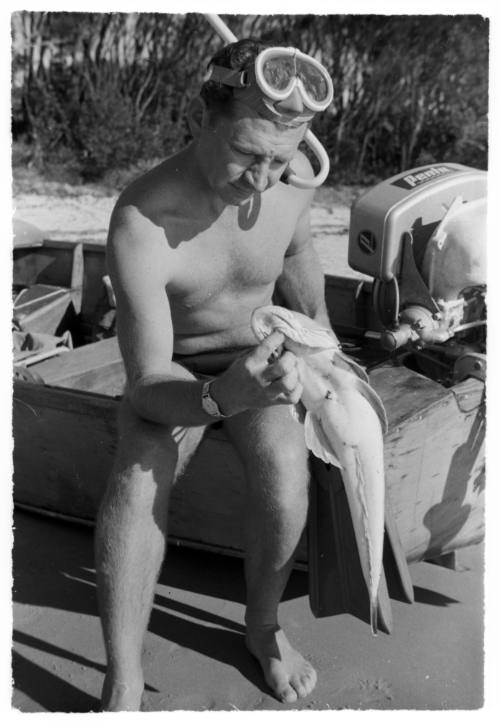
(264, 377)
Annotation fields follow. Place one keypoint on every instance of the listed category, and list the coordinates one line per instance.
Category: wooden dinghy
(65, 406)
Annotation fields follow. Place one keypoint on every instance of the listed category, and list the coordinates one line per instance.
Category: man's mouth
(242, 189)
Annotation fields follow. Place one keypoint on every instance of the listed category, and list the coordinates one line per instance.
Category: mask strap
(227, 76)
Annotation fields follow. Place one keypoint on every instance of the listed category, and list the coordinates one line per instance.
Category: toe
(304, 684)
(309, 680)
(287, 694)
(300, 688)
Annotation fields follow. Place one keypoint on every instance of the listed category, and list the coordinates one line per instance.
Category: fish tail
(374, 616)
(364, 511)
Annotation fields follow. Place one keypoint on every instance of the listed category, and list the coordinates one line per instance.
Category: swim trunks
(209, 363)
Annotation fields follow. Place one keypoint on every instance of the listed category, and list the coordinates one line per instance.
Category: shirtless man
(194, 247)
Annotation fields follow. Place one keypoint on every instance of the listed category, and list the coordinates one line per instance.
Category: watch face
(209, 405)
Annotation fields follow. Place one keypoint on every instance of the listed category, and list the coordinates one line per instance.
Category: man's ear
(195, 112)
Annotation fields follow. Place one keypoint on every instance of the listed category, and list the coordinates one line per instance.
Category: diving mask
(278, 78)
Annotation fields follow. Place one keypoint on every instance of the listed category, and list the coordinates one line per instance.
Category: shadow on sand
(53, 567)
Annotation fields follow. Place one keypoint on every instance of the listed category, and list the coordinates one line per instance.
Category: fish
(344, 425)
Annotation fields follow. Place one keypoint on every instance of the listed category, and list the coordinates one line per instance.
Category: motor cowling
(421, 235)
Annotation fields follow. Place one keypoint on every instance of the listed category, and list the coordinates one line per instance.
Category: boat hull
(65, 441)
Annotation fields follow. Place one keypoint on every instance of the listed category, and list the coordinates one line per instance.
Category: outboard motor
(422, 236)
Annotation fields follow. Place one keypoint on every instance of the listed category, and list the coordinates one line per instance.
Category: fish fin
(294, 326)
(298, 412)
(317, 441)
(318, 338)
(351, 365)
(374, 400)
(364, 387)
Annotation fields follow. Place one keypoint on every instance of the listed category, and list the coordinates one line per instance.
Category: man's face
(245, 154)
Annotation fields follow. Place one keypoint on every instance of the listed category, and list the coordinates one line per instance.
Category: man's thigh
(271, 445)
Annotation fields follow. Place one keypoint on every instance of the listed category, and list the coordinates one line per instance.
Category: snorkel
(268, 110)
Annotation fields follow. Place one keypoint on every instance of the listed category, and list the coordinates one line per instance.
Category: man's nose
(292, 104)
(258, 175)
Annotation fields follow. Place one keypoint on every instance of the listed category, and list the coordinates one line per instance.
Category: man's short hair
(237, 56)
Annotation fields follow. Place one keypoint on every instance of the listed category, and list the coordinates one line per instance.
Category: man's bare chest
(237, 253)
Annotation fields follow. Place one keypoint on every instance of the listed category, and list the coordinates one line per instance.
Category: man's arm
(138, 267)
(301, 284)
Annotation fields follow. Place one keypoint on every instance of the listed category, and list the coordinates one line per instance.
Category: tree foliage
(95, 91)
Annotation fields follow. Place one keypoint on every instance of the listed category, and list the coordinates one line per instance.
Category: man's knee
(166, 439)
(280, 445)
(145, 446)
(140, 435)
(276, 459)
(286, 460)
(279, 481)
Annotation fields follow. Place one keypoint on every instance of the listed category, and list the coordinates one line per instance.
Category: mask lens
(313, 80)
(279, 72)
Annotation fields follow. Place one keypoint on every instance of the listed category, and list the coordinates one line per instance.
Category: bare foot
(119, 697)
(289, 675)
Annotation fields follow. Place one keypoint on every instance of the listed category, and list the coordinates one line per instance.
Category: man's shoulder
(142, 192)
(136, 252)
(140, 203)
(133, 233)
(128, 224)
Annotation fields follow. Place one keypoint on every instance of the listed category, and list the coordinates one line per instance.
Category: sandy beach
(194, 655)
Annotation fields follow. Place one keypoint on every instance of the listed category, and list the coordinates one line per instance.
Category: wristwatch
(209, 404)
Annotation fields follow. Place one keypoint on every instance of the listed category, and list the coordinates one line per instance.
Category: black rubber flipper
(336, 583)
(395, 559)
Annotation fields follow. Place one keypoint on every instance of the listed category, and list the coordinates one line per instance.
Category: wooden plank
(55, 244)
(405, 393)
(434, 461)
(52, 317)
(36, 296)
(64, 443)
(76, 280)
(94, 367)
